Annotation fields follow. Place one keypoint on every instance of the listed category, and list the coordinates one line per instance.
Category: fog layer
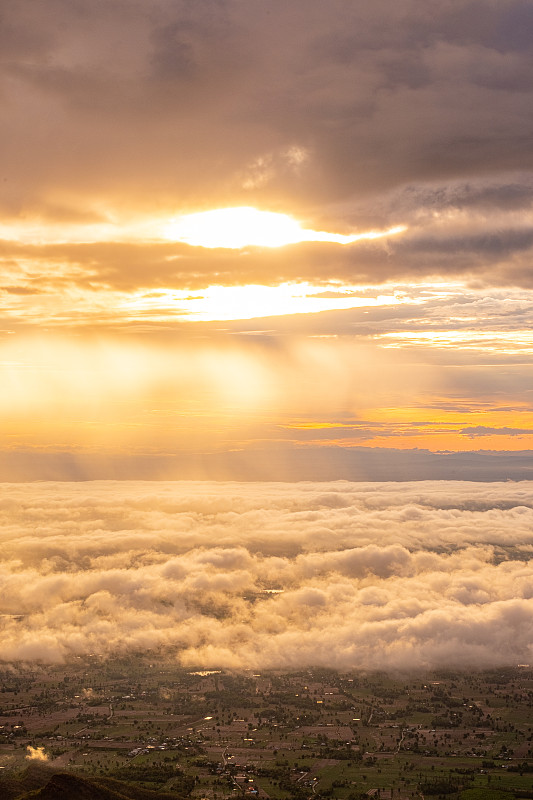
(269, 575)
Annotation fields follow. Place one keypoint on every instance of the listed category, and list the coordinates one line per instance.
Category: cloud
(143, 111)
(479, 233)
(485, 430)
(200, 98)
(365, 575)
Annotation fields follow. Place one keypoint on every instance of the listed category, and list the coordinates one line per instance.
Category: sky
(266, 241)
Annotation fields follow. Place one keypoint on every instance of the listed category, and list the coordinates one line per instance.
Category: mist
(269, 575)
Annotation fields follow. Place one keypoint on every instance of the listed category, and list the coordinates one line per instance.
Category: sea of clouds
(269, 575)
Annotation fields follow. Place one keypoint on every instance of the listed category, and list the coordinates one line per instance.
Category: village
(147, 722)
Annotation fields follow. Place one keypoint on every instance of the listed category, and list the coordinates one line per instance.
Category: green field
(293, 736)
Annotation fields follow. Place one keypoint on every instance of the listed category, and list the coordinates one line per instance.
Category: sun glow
(232, 228)
(252, 301)
(235, 228)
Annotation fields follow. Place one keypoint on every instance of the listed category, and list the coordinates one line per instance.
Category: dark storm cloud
(353, 116)
(487, 247)
(509, 193)
(179, 101)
